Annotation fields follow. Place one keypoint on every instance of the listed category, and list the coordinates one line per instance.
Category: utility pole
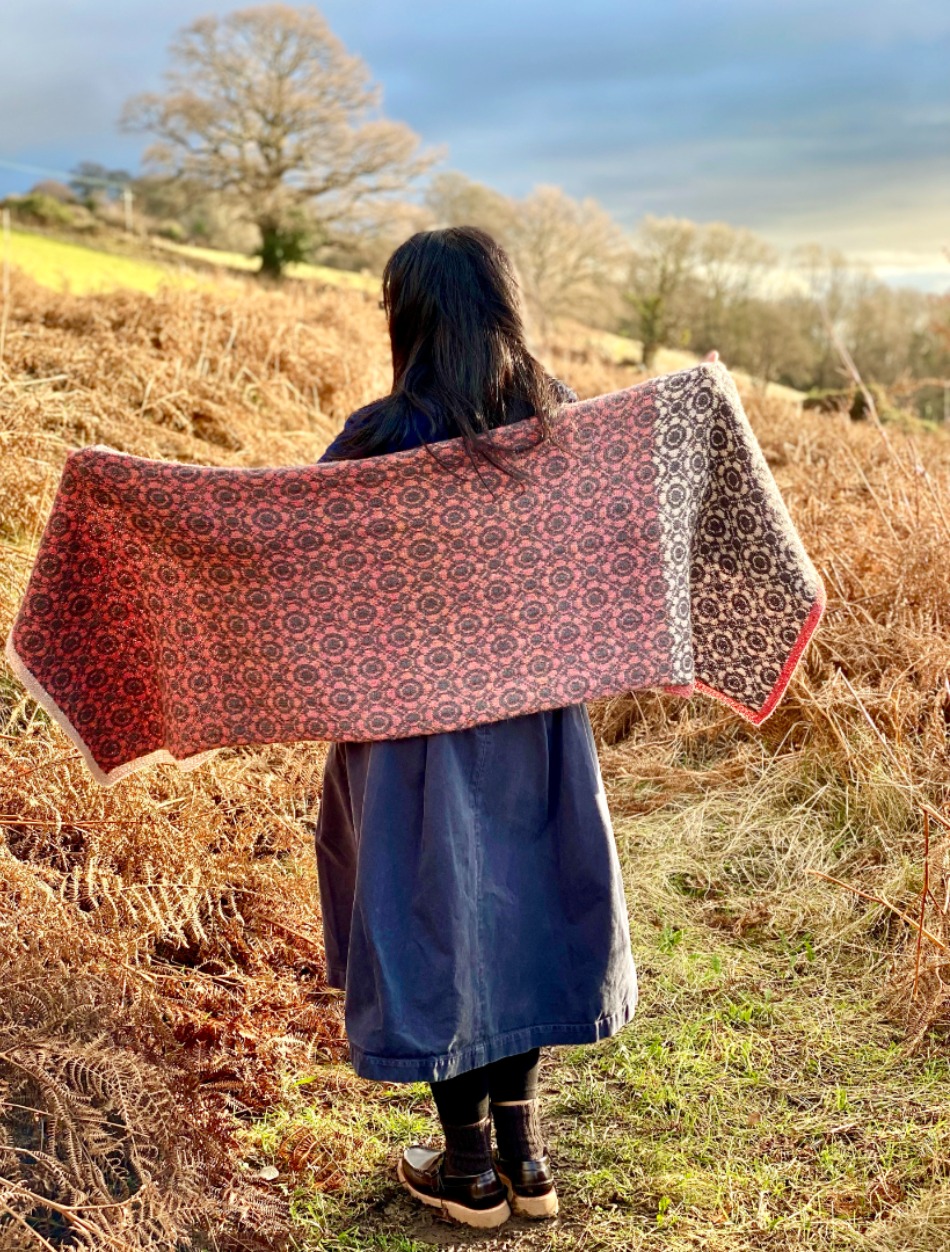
(127, 203)
(6, 283)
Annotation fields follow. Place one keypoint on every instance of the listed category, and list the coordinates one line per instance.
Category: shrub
(37, 208)
(40, 209)
(170, 229)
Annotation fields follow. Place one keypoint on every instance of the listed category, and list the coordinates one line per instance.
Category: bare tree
(663, 267)
(832, 283)
(455, 200)
(570, 254)
(267, 108)
(367, 240)
(733, 265)
(53, 189)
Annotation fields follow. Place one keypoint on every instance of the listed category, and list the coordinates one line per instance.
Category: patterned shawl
(173, 609)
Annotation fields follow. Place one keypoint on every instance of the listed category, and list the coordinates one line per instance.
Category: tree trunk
(650, 348)
(651, 318)
(272, 250)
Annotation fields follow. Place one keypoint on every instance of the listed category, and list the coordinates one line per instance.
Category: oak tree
(266, 108)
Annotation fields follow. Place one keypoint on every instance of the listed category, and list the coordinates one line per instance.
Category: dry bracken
(160, 946)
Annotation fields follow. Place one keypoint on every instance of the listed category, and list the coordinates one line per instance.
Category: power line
(73, 177)
(91, 180)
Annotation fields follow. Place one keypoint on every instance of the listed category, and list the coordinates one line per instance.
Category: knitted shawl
(174, 609)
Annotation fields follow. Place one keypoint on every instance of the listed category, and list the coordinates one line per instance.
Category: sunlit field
(77, 268)
(82, 269)
(239, 261)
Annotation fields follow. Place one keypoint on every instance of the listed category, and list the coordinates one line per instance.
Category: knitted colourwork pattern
(173, 609)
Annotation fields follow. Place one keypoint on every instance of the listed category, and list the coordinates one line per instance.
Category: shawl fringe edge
(105, 779)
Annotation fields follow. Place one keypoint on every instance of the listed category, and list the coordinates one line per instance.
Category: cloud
(764, 114)
(797, 117)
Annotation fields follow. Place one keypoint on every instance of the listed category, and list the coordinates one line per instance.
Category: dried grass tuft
(861, 738)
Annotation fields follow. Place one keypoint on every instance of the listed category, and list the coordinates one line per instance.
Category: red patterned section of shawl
(180, 608)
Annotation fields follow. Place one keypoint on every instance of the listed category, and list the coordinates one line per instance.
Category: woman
(472, 899)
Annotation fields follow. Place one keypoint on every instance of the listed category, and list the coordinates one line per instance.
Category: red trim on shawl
(758, 716)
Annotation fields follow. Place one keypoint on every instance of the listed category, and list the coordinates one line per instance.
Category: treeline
(269, 139)
(674, 283)
(671, 283)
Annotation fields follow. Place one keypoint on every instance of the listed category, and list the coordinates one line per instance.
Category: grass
(85, 270)
(764, 1098)
(621, 349)
(744, 1102)
(82, 270)
(351, 280)
(760, 1099)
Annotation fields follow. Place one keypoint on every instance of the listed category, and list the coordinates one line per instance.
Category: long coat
(471, 893)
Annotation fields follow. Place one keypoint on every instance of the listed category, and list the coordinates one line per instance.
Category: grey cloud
(777, 113)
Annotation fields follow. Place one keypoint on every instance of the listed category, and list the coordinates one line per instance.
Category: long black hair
(456, 326)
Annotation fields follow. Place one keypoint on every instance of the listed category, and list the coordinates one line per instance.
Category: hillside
(173, 1062)
(115, 261)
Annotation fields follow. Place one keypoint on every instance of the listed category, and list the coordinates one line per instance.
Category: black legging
(464, 1099)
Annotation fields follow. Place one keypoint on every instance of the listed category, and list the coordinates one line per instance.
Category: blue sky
(806, 121)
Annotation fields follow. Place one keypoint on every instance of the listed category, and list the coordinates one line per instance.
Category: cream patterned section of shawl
(740, 602)
(680, 462)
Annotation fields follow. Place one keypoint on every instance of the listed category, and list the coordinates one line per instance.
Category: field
(172, 1065)
(76, 267)
(64, 265)
(239, 261)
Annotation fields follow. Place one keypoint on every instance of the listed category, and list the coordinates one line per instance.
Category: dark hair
(457, 332)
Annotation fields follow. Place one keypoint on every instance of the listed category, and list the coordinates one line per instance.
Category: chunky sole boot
(530, 1185)
(474, 1199)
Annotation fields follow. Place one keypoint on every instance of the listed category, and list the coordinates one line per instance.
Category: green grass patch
(759, 1099)
(82, 270)
(352, 280)
(750, 1105)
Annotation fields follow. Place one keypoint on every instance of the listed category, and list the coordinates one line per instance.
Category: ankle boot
(522, 1162)
(461, 1181)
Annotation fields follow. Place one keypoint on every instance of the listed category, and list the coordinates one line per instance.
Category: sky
(805, 120)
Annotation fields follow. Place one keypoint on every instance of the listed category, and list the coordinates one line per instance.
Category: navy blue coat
(471, 893)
